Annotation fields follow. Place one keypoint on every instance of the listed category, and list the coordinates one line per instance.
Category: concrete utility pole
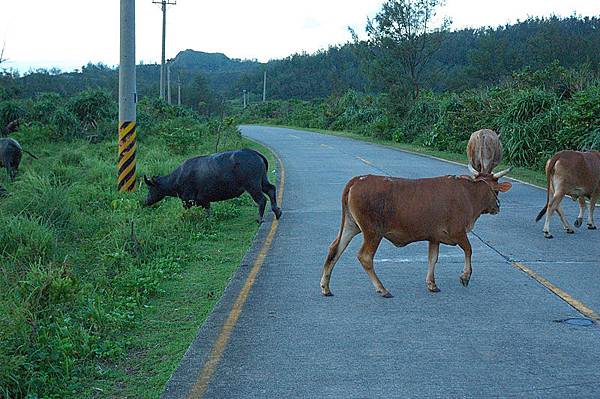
(164, 4)
(265, 87)
(169, 82)
(178, 89)
(127, 99)
(244, 98)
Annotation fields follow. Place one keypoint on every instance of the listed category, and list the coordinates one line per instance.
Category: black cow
(217, 177)
(10, 156)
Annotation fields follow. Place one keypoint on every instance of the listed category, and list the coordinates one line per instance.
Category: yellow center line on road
(222, 340)
(577, 305)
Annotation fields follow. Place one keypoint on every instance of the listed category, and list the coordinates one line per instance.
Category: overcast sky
(69, 33)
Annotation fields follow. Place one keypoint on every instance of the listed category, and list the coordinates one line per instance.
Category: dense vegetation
(467, 59)
(75, 282)
(537, 114)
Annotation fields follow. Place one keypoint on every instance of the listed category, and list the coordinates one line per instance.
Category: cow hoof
(570, 231)
(578, 222)
(277, 212)
(328, 293)
(591, 227)
(385, 294)
(464, 281)
(259, 221)
(432, 288)
(548, 235)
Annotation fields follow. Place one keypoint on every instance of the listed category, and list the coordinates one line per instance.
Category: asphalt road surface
(500, 337)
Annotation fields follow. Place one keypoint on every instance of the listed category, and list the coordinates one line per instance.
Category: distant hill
(200, 61)
(469, 58)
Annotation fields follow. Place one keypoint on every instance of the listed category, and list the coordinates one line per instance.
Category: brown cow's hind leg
(432, 257)
(336, 249)
(564, 220)
(591, 224)
(552, 205)
(579, 220)
(466, 247)
(366, 255)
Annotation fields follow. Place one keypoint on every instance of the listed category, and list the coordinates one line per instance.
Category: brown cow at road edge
(576, 174)
(439, 210)
(484, 150)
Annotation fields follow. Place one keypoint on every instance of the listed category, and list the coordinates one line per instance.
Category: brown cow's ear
(504, 187)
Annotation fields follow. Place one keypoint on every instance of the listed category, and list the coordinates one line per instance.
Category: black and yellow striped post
(127, 99)
(127, 150)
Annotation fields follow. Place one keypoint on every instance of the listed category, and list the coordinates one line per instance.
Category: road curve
(500, 337)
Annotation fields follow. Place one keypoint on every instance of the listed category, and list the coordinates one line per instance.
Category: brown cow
(484, 150)
(576, 174)
(439, 210)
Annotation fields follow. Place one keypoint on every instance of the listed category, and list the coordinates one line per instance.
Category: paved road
(497, 338)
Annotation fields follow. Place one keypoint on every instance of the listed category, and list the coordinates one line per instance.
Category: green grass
(535, 177)
(85, 311)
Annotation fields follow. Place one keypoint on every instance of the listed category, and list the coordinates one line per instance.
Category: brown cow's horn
(473, 171)
(498, 175)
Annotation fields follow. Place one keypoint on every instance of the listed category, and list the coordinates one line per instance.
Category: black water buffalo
(11, 127)
(10, 156)
(217, 177)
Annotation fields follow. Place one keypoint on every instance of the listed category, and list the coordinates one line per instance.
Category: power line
(164, 4)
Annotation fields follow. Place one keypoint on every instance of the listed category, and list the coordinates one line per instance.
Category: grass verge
(85, 309)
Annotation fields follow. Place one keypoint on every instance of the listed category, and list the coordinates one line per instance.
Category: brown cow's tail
(549, 173)
(333, 248)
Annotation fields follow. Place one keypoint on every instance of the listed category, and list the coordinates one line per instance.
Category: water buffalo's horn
(473, 171)
(148, 181)
(504, 172)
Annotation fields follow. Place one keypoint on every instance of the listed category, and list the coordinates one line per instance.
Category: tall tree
(402, 35)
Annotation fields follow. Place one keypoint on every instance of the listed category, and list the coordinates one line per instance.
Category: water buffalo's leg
(12, 173)
(591, 224)
(366, 255)
(432, 257)
(464, 243)
(269, 189)
(348, 231)
(261, 201)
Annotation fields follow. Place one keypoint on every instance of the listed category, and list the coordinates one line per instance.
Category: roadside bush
(9, 111)
(582, 120)
(92, 106)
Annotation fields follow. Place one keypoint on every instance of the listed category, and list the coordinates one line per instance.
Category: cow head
(492, 203)
(155, 192)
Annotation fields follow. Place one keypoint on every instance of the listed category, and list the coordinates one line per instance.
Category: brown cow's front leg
(432, 257)
(466, 247)
(366, 255)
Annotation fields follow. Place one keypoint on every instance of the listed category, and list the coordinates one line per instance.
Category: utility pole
(127, 99)
(244, 98)
(178, 89)
(169, 81)
(265, 86)
(164, 4)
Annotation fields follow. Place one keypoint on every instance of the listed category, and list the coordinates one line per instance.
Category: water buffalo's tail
(30, 154)
(264, 160)
(549, 174)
